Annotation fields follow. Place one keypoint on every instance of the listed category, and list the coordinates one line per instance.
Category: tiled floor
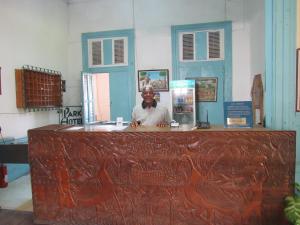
(17, 195)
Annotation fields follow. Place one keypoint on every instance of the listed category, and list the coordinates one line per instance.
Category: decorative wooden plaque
(38, 89)
(160, 178)
(257, 95)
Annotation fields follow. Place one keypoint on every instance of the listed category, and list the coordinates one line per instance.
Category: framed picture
(298, 80)
(158, 79)
(206, 88)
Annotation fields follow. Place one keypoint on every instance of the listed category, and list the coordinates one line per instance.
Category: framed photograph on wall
(206, 88)
(298, 80)
(158, 79)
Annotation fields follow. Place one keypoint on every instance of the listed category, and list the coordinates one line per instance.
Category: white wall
(248, 47)
(47, 33)
(255, 20)
(33, 32)
(91, 16)
(152, 21)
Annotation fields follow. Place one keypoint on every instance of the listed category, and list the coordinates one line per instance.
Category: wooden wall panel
(20, 97)
(38, 89)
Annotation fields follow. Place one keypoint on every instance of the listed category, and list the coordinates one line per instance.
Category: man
(149, 113)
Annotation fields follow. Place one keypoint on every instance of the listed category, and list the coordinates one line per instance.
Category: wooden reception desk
(160, 176)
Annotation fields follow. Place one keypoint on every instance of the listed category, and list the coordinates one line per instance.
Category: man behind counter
(149, 113)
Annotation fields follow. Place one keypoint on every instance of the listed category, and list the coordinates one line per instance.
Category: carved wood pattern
(161, 178)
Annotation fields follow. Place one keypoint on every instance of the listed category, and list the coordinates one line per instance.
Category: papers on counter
(107, 128)
(74, 128)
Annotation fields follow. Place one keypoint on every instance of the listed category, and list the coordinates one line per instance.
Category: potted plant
(292, 207)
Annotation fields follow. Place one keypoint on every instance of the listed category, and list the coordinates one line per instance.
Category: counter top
(114, 128)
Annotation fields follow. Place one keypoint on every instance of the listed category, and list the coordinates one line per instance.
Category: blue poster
(238, 114)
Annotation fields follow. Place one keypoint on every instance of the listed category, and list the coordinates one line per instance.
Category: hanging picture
(158, 79)
(206, 88)
(298, 81)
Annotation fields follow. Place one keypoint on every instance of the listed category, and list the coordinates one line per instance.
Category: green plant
(292, 207)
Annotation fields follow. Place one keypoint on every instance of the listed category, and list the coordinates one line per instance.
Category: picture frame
(298, 80)
(157, 78)
(206, 88)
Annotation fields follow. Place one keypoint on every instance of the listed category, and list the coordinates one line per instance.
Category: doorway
(110, 54)
(205, 51)
(101, 88)
(105, 96)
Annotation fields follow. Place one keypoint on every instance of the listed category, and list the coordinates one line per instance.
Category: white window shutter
(188, 50)
(119, 51)
(214, 48)
(118, 54)
(96, 53)
(216, 44)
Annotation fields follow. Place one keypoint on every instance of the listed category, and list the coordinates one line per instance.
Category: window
(202, 45)
(188, 46)
(119, 50)
(95, 52)
(215, 42)
(103, 52)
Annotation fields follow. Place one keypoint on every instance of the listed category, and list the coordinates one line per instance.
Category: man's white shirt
(151, 116)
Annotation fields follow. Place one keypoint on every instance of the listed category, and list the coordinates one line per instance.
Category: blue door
(112, 52)
(205, 51)
(120, 99)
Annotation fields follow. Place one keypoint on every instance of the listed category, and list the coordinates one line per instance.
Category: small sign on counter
(238, 114)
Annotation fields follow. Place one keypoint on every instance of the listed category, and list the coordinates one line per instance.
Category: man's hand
(135, 123)
(162, 124)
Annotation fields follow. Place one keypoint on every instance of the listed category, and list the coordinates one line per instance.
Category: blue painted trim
(129, 33)
(280, 63)
(108, 68)
(290, 65)
(107, 49)
(269, 61)
(175, 52)
(201, 45)
(198, 65)
(227, 26)
(228, 61)
(280, 96)
(130, 68)
(201, 26)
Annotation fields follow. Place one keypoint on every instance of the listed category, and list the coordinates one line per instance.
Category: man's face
(148, 96)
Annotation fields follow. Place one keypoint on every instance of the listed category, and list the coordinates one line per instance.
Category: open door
(105, 96)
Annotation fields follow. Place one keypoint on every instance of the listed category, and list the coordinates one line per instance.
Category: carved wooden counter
(160, 177)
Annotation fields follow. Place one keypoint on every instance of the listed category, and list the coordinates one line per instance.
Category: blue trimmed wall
(280, 49)
(122, 78)
(222, 69)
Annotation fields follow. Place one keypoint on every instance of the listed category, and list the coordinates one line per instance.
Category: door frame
(227, 26)
(129, 69)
